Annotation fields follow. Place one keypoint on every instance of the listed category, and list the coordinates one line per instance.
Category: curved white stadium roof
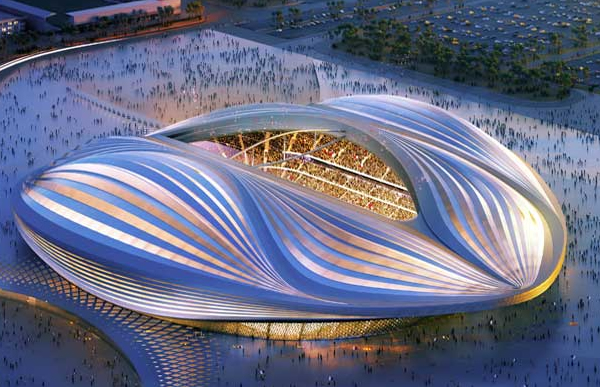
(162, 227)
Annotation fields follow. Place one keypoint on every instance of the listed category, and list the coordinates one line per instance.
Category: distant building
(10, 24)
(36, 18)
(148, 7)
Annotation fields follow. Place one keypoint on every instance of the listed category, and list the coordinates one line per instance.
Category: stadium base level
(306, 330)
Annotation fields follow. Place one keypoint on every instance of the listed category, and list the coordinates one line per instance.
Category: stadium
(343, 218)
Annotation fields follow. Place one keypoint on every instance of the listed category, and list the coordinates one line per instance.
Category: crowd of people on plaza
(32, 341)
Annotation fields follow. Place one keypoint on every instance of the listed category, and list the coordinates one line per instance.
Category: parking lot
(530, 23)
(547, 30)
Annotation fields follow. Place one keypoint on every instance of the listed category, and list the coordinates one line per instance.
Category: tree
(464, 61)
(491, 62)
(580, 35)
(362, 11)
(443, 59)
(165, 13)
(560, 74)
(120, 22)
(195, 9)
(556, 41)
(3, 46)
(427, 45)
(585, 72)
(374, 34)
(169, 12)
(295, 15)
(401, 47)
(335, 8)
(160, 11)
(278, 18)
(517, 52)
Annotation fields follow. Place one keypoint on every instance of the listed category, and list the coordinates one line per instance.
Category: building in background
(36, 18)
(148, 7)
(10, 24)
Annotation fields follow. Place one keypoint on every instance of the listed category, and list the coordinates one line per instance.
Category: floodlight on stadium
(341, 218)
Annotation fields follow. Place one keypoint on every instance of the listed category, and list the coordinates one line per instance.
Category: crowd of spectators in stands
(313, 159)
